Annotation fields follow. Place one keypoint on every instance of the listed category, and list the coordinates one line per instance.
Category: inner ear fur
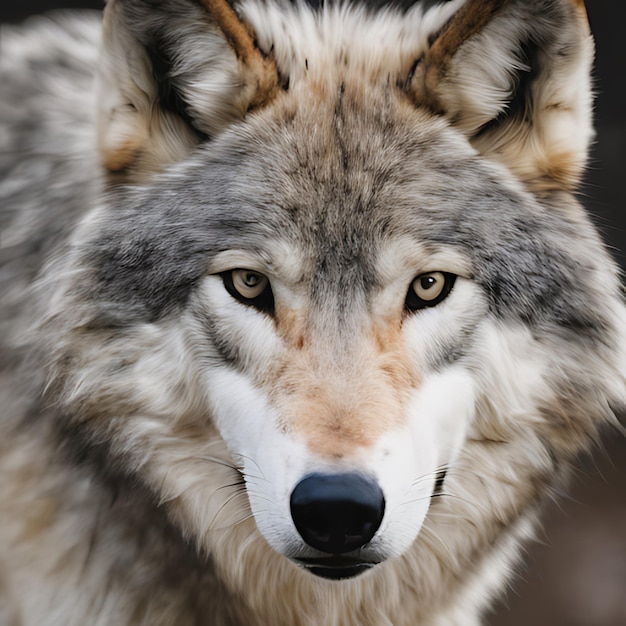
(514, 76)
(172, 74)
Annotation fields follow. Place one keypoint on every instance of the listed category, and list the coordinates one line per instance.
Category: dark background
(575, 575)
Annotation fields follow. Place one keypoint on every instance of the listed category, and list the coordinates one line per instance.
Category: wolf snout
(337, 513)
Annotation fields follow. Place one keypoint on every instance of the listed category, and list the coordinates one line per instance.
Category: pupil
(427, 282)
(252, 280)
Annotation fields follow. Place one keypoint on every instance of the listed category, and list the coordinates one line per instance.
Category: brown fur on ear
(172, 74)
(468, 21)
(261, 70)
(514, 76)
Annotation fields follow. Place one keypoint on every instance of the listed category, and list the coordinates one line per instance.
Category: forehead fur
(307, 42)
(337, 165)
(299, 171)
(337, 170)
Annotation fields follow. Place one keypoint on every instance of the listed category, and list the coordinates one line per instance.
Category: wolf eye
(429, 290)
(250, 287)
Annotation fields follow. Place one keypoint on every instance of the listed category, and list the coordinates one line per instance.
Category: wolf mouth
(336, 567)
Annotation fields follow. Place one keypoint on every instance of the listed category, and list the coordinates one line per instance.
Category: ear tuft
(514, 76)
(171, 75)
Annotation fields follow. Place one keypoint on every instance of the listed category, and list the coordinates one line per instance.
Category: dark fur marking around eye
(263, 302)
(415, 303)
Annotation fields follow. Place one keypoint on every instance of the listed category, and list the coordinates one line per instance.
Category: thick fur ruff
(158, 416)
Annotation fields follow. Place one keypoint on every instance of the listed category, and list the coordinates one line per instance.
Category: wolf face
(338, 306)
(318, 348)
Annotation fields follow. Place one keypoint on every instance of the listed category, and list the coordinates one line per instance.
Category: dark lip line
(335, 562)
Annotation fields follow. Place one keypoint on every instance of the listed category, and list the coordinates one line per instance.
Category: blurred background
(575, 575)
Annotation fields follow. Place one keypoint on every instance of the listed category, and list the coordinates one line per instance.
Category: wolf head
(339, 306)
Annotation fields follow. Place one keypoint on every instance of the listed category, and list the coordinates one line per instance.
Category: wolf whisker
(283, 283)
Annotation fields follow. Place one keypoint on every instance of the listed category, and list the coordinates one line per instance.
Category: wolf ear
(514, 76)
(171, 74)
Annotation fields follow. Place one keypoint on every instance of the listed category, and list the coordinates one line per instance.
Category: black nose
(337, 513)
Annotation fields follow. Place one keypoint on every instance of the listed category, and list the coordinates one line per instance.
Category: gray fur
(527, 272)
(107, 338)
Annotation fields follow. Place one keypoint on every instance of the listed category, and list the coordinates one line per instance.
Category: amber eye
(429, 290)
(250, 287)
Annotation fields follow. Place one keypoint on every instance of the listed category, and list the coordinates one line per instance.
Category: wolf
(302, 321)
